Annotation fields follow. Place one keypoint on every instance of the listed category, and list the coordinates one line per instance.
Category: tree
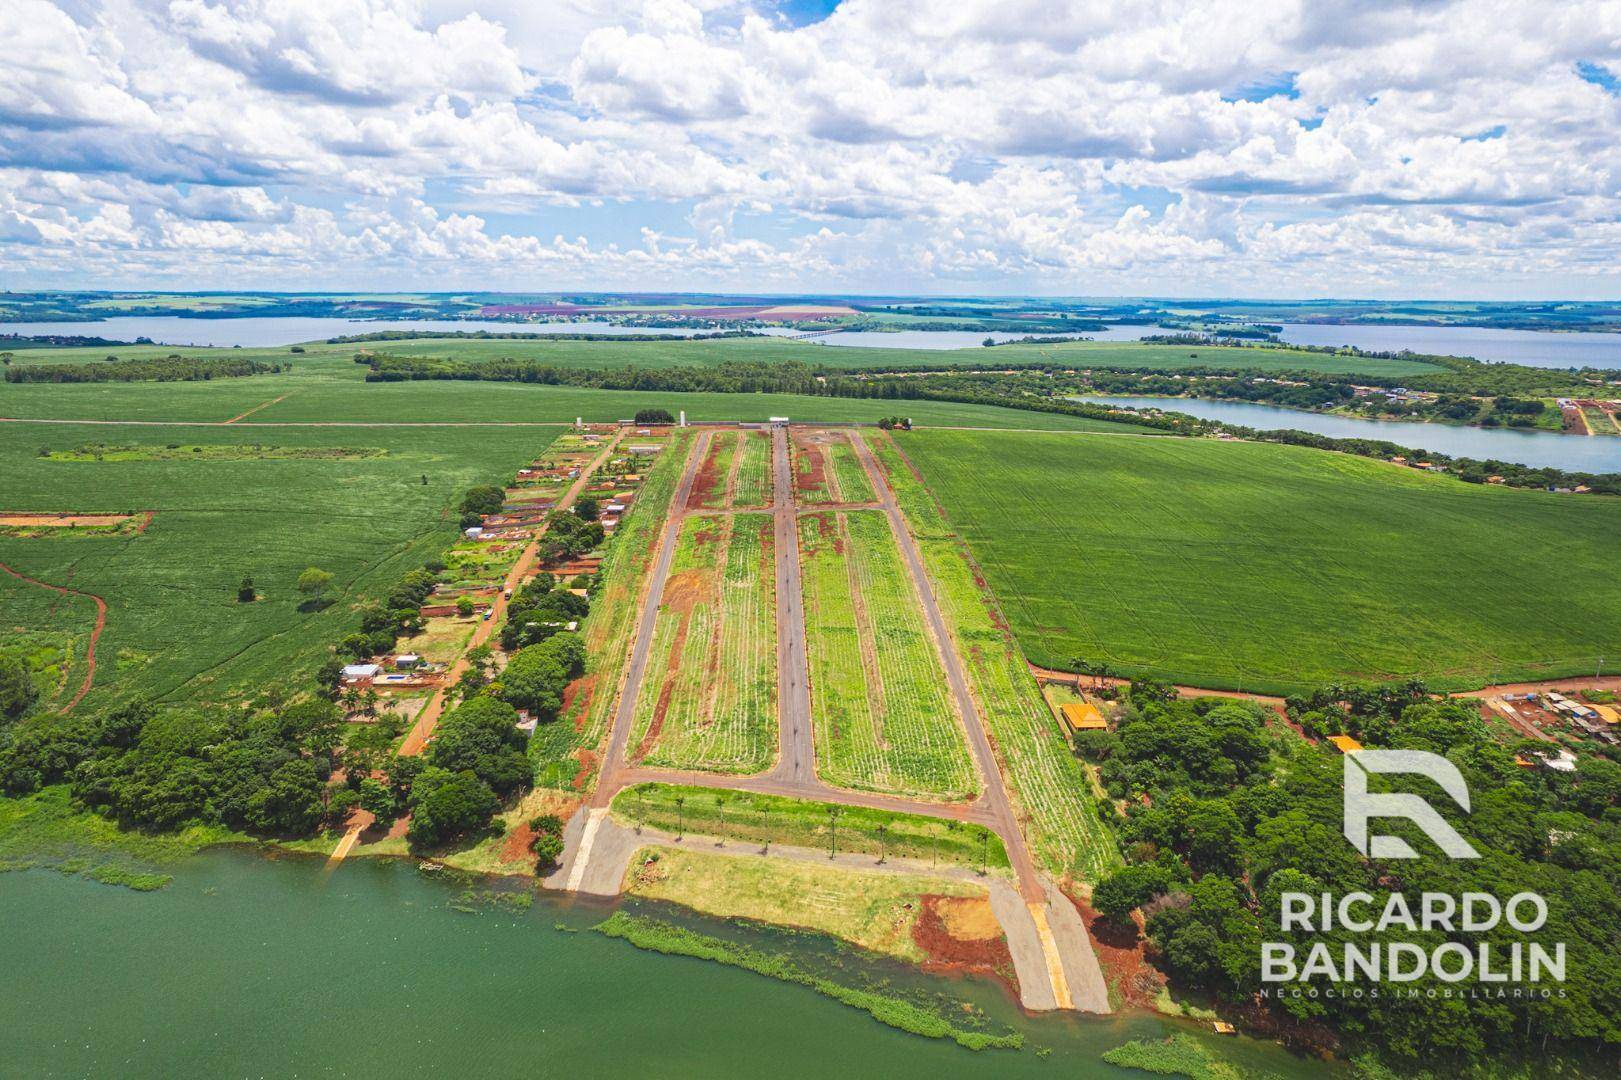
(654, 416)
(587, 508)
(290, 802)
(17, 693)
(535, 678)
(313, 583)
(245, 593)
(377, 800)
(547, 841)
(464, 606)
(1128, 888)
(447, 805)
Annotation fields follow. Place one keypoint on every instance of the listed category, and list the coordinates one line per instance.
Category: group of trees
(478, 502)
(381, 624)
(161, 768)
(168, 369)
(538, 610)
(17, 690)
(570, 534)
(536, 676)
(1224, 816)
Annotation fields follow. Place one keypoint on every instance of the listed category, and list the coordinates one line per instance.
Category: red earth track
(95, 633)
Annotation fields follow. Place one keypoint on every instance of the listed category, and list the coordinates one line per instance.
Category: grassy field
(774, 819)
(629, 352)
(883, 718)
(753, 488)
(826, 469)
(710, 697)
(710, 488)
(873, 910)
(565, 753)
(1277, 568)
(175, 629)
(1047, 784)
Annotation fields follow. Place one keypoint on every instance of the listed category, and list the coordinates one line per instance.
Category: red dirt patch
(516, 847)
(708, 480)
(588, 768)
(1122, 951)
(948, 952)
(581, 691)
(810, 469)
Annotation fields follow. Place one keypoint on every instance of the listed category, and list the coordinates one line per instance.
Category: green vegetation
(1047, 784)
(873, 910)
(175, 630)
(1271, 568)
(658, 936)
(710, 696)
(775, 819)
(170, 369)
(563, 753)
(879, 705)
(1178, 1055)
(754, 480)
(1224, 816)
(230, 452)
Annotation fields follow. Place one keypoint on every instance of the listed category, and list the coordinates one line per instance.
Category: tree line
(166, 369)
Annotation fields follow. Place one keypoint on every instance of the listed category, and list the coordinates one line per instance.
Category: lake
(1538, 449)
(276, 331)
(253, 966)
(1534, 348)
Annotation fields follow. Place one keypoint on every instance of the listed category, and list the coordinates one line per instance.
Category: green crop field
(754, 482)
(826, 469)
(565, 752)
(710, 697)
(883, 718)
(1047, 784)
(1277, 568)
(174, 627)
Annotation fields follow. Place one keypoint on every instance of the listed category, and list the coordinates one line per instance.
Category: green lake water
(248, 966)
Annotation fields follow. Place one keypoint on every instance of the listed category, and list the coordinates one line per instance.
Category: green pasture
(175, 629)
(1276, 568)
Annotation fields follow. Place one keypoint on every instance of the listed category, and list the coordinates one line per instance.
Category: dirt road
(95, 631)
(796, 741)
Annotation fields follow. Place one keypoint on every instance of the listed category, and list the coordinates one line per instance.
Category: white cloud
(968, 144)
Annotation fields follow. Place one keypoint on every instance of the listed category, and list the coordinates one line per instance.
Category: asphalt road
(796, 742)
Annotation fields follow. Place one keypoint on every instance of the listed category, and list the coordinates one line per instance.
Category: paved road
(796, 742)
(613, 762)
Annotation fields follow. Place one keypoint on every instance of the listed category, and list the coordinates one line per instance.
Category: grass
(883, 719)
(710, 697)
(870, 909)
(709, 488)
(44, 830)
(1178, 1055)
(776, 819)
(1047, 784)
(175, 629)
(564, 752)
(658, 936)
(754, 480)
(1275, 568)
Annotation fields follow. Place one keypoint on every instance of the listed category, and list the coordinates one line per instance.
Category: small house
(1083, 716)
(1345, 744)
(1608, 713)
(407, 661)
(359, 674)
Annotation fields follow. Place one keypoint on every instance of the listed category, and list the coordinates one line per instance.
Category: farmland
(1047, 785)
(710, 700)
(882, 718)
(711, 487)
(565, 752)
(259, 506)
(1275, 568)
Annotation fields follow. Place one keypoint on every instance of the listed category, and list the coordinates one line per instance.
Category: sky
(1258, 148)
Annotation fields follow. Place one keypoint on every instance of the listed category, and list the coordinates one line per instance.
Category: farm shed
(1084, 716)
(1345, 744)
(1608, 713)
(360, 673)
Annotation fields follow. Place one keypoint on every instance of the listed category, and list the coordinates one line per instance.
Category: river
(248, 966)
(1538, 449)
(1534, 348)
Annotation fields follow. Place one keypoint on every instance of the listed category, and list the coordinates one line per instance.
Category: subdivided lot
(882, 716)
(826, 469)
(709, 698)
(871, 909)
(776, 819)
(1046, 783)
(175, 627)
(1276, 568)
(753, 488)
(565, 753)
(712, 486)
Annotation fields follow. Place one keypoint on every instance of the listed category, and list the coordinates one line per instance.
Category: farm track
(95, 631)
(260, 406)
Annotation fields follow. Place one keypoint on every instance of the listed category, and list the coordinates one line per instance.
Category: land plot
(1046, 783)
(883, 719)
(710, 486)
(709, 700)
(753, 488)
(826, 469)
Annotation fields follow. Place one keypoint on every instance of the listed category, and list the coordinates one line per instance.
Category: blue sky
(1216, 147)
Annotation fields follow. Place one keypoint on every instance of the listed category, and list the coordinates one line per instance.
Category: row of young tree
(1225, 814)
